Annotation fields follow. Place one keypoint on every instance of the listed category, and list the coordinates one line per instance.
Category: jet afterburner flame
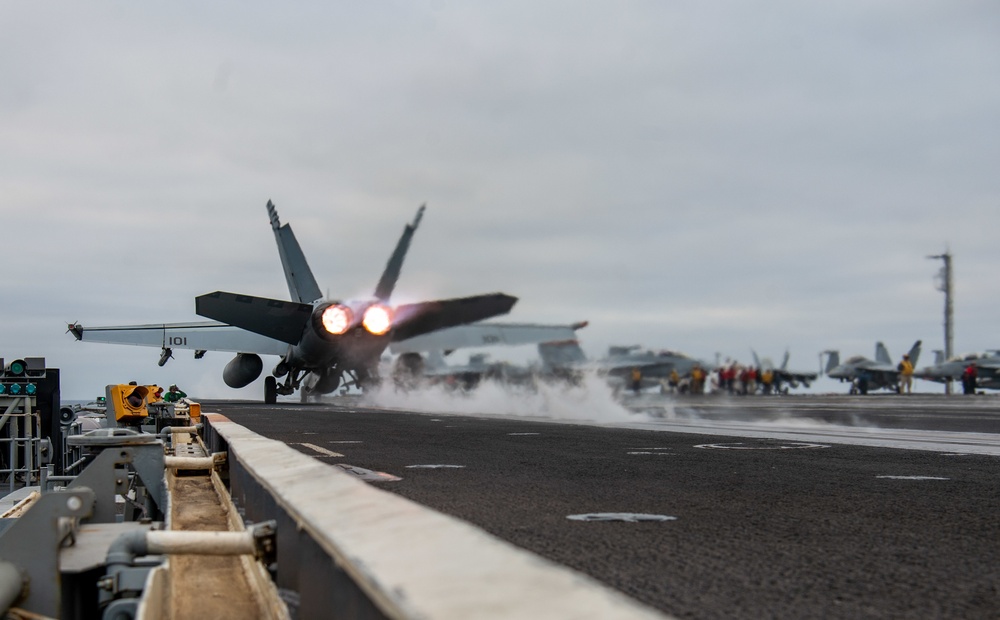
(337, 319)
(377, 320)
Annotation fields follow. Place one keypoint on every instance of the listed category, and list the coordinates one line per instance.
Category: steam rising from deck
(590, 400)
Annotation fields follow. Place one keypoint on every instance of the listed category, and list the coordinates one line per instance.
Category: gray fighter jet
(865, 374)
(478, 369)
(567, 359)
(781, 373)
(422, 358)
(323, 343)
(987, 369)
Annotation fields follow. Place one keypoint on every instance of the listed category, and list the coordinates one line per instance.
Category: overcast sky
(707, 177)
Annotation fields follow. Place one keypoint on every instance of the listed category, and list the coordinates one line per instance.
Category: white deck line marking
(435, 466)
(384, 542)
(913, 477)
(742, 446)
(936, 441)
(321, 450)
(900, 439)
(628, 517)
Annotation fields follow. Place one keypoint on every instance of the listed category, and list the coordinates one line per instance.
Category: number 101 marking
(175, 341)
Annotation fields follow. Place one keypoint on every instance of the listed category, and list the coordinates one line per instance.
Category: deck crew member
(969, 379)
(905, 374)
(636, 380)
(174, 394)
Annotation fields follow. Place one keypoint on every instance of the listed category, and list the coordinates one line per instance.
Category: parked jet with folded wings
(322, 343)
(567, 359)
(781, 373)
(987, 369)
(411, 369)
(865, 374)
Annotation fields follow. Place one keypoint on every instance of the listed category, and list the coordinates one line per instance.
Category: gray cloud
(705, 178)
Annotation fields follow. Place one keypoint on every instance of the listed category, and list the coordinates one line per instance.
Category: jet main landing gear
(270, 390)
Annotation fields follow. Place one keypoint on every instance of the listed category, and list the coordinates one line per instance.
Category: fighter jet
(411, 367)
(567, 359)
(322, 343)
(865, 374)
(781, 373)
(987, 369)
(479, 368)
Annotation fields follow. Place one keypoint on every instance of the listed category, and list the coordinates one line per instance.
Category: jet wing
(422, 318)
(271, 318)
(485, 335)
(877, 367)
(791, 375)
(881, 373)
(646, 367)
(991, 363)
(206, 336)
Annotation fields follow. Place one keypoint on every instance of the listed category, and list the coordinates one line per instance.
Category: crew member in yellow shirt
(905, 375)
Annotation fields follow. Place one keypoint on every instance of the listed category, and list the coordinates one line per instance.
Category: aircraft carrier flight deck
(813, 506)
(555, 501)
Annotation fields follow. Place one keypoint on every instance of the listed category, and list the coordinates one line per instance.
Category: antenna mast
(944, 284)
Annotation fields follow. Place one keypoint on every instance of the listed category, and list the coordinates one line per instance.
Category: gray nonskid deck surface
(764, 527)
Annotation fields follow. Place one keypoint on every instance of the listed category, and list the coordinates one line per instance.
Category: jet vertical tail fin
(915, 352)
(301, 283)
(784, 360)
(882, 354)
(938, 357)
(832, 360)
(395, 265)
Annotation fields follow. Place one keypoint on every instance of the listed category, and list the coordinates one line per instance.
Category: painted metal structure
(945, 285)
(74, 552)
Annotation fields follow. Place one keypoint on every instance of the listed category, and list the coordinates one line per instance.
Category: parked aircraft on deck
(566, 358)
(865, 374)
(322, 343)
(423, 357)
(781, 373)
(987, 369)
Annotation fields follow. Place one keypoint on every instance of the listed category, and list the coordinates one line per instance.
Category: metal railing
(20, 436)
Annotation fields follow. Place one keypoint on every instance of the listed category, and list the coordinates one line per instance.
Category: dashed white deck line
(435, 466)
(934, 441)
(806, 431)
(321, 450)
(743, 446)
(383, 542)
